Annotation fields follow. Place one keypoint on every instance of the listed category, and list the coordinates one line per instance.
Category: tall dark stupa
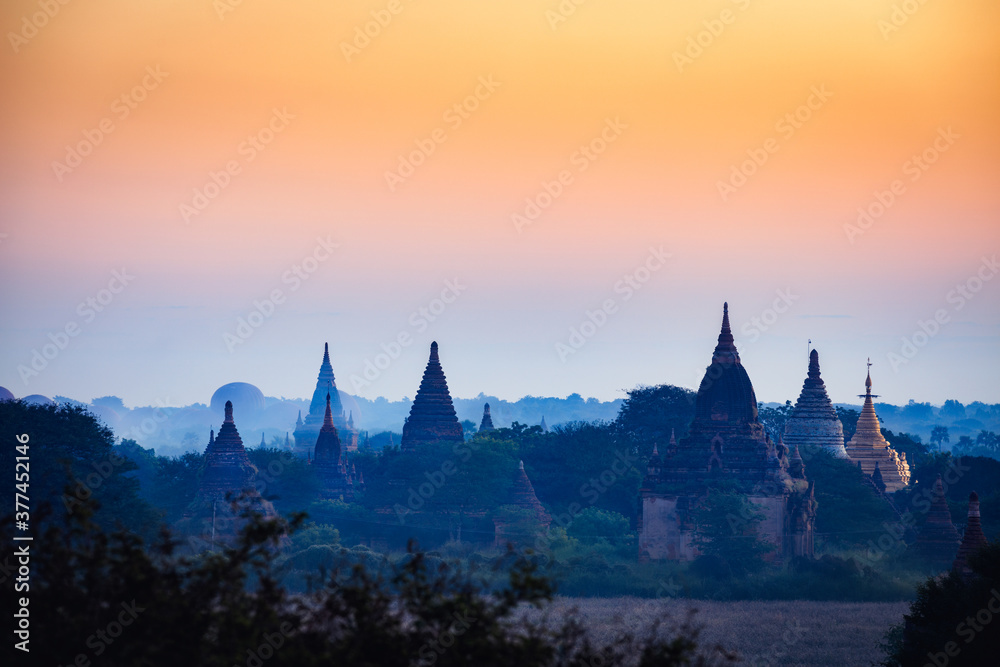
(336, 482)
(432, 415)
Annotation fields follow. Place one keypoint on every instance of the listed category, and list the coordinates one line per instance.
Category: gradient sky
(681, 128)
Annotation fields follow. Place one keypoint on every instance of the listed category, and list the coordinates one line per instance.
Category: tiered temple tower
(869, 446)
(487, 423)
(814, 420)
(307, 431)
(522, 496)
(937, 540)
(432, 415)
(227, 467)
(726, 443)
(337, 482)
(227, 476)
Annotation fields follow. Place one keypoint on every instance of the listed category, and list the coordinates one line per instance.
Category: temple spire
(328, 417)
(973, 540)
(725, 350)
(229, 413)
(487, 422)
(263, 443)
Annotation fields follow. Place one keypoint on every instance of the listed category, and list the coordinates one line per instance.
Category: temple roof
(725, 437)
(726, 393)
(869, 447)
(328, 442)
(522, 494)
(432, 415)
(973, 540)
(227, 467)
(326, 383)
(487, 423)
(814, 420)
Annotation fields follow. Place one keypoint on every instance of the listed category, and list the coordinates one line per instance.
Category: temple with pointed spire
(227, 475)
(306, 431)
(814, 421)
(972, 540)
(336, 482)
(521, 497)
(487, 423)
(938, 540)
(725, 443)
(869, 448)
(432, 416)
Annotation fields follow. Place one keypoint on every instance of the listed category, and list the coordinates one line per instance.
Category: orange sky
(657, 183)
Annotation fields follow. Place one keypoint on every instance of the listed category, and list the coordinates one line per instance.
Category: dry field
(807, 634)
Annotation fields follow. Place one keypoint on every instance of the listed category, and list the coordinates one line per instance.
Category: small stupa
(814, 421)
(869, 447)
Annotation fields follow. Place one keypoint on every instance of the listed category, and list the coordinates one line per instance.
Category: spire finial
(434, 350)
(725, 351)
(520, 465)
(326, 353)
(229, 412)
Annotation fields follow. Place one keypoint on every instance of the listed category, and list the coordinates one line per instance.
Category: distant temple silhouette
(432, 415)
(307, 431)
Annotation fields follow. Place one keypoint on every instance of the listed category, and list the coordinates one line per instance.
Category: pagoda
(972, 541)
(227, 487)
(306, 431)
(725, 444)
(522, 497)
(336, 483)
(432, 416)
(869, 447)
(937, 539)
(487, 423)
(814, 421)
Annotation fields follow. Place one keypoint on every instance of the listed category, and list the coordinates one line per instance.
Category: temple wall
(661, 536)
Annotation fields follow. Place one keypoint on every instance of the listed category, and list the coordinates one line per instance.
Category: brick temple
(337, 480)
(938, 540)
(725, 444)
(432, 416)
